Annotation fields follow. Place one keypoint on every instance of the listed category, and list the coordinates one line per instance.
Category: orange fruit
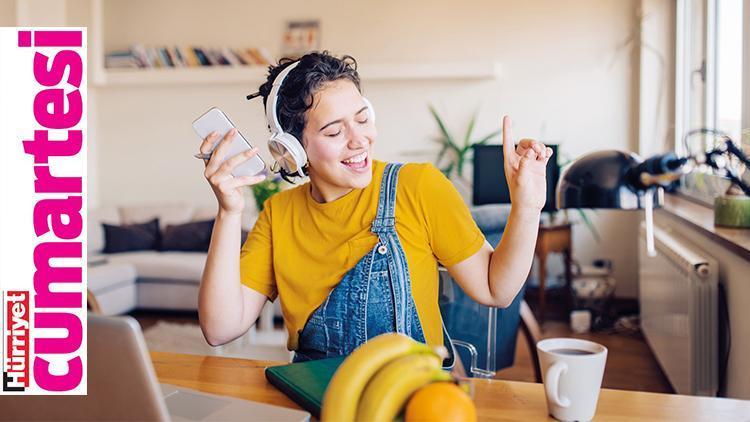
(438, 402)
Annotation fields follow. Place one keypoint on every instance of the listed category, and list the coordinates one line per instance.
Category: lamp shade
(602, 179)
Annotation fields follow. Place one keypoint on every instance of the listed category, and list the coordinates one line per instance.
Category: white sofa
(150, 279)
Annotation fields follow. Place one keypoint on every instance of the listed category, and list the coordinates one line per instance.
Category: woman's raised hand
(227, 188)
(525, 170)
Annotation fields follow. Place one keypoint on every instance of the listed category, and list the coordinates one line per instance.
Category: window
(708, 81)
(728, 65)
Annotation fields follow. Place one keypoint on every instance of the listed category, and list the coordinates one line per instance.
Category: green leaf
(440, 155)
(447, 138)
(470, 129)
(264, 190)
(448, 170)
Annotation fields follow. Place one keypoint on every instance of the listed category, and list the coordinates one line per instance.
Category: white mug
(580, 321)
(572, 371)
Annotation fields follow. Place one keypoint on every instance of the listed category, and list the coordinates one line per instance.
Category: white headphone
(284, 147)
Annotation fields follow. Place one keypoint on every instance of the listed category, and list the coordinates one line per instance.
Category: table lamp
(614, 179)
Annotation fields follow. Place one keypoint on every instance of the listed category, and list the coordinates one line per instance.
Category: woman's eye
(333, 135)
(363, 121)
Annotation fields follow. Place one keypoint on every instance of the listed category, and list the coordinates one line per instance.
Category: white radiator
(679, 311)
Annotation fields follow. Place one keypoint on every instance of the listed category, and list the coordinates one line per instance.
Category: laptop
(122, 385)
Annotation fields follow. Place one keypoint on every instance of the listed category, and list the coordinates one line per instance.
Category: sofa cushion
(171, 295)
(109, 276)
(168, 214)
(192, 237)
(185, 266)
(95, 231)
(131, 237)
(119, 300)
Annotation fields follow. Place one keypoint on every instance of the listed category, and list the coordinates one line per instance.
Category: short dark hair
(296, 95)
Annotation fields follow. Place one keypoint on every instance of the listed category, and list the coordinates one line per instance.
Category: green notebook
(304, 382)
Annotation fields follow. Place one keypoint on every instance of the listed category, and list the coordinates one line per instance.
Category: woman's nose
(357, 138)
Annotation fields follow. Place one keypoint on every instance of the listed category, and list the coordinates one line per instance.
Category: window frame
(702, 186)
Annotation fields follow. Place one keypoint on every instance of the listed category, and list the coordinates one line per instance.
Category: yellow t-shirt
(300, 249)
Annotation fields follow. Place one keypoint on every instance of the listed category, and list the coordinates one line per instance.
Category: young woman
(354, 252)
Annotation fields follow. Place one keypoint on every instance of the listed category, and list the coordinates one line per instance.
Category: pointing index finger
(508, 147)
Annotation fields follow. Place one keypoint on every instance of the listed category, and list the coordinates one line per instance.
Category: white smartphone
(215, 120)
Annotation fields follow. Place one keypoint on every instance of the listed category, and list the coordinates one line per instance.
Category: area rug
(188, 338)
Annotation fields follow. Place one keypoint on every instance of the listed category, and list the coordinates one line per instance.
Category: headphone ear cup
(288, 153)
(371, 109)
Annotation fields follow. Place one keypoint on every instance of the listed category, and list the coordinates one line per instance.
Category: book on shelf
(164, 57)
(214, 57)
(178, 57)
(139, 52)
(122, 60)
(188, 55)
(172, 57)
(231, 57)
(202, 58)
(153, 58)
(149, 57)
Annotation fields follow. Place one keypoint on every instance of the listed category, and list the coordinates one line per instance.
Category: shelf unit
(467, 70)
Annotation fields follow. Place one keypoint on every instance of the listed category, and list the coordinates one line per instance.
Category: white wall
(7, 12)
(656, 78)
(563, 80)
(40, 13)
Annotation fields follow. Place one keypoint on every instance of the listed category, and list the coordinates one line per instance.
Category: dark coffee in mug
(572, 371)
(574, 352)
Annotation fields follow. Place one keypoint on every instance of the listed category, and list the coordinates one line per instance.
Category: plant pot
(732, 211)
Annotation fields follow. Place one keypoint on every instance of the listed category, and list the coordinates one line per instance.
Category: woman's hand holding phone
(227, 188)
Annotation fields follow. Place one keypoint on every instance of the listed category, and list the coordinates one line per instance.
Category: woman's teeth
(356, 161)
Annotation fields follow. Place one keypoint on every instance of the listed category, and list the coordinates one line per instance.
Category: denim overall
(372, 298)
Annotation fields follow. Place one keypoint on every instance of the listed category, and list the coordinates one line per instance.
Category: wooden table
(553, 238)
(495, 399)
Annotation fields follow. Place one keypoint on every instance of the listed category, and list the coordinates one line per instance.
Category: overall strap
(385, 218)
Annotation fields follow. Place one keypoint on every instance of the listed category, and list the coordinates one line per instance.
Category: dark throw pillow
(189, 237)
(131, 237)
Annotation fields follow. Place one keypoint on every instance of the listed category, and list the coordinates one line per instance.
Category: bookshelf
(382, 72)
(102, 77)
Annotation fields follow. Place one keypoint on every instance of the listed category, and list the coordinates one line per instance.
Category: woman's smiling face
(338, 138)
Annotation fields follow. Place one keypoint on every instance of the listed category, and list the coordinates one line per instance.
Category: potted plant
(454, 152)
(265, 189)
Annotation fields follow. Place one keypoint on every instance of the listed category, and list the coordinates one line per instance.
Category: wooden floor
(149, 318)
(630, 363)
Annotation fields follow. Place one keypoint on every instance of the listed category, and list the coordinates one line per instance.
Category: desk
(553, 238)
(495, 399)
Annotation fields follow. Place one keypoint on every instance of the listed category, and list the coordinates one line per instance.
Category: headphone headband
(271, 117)
(284, 147)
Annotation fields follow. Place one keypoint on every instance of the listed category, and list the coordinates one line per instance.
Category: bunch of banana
(390, 389)
(376, 380)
